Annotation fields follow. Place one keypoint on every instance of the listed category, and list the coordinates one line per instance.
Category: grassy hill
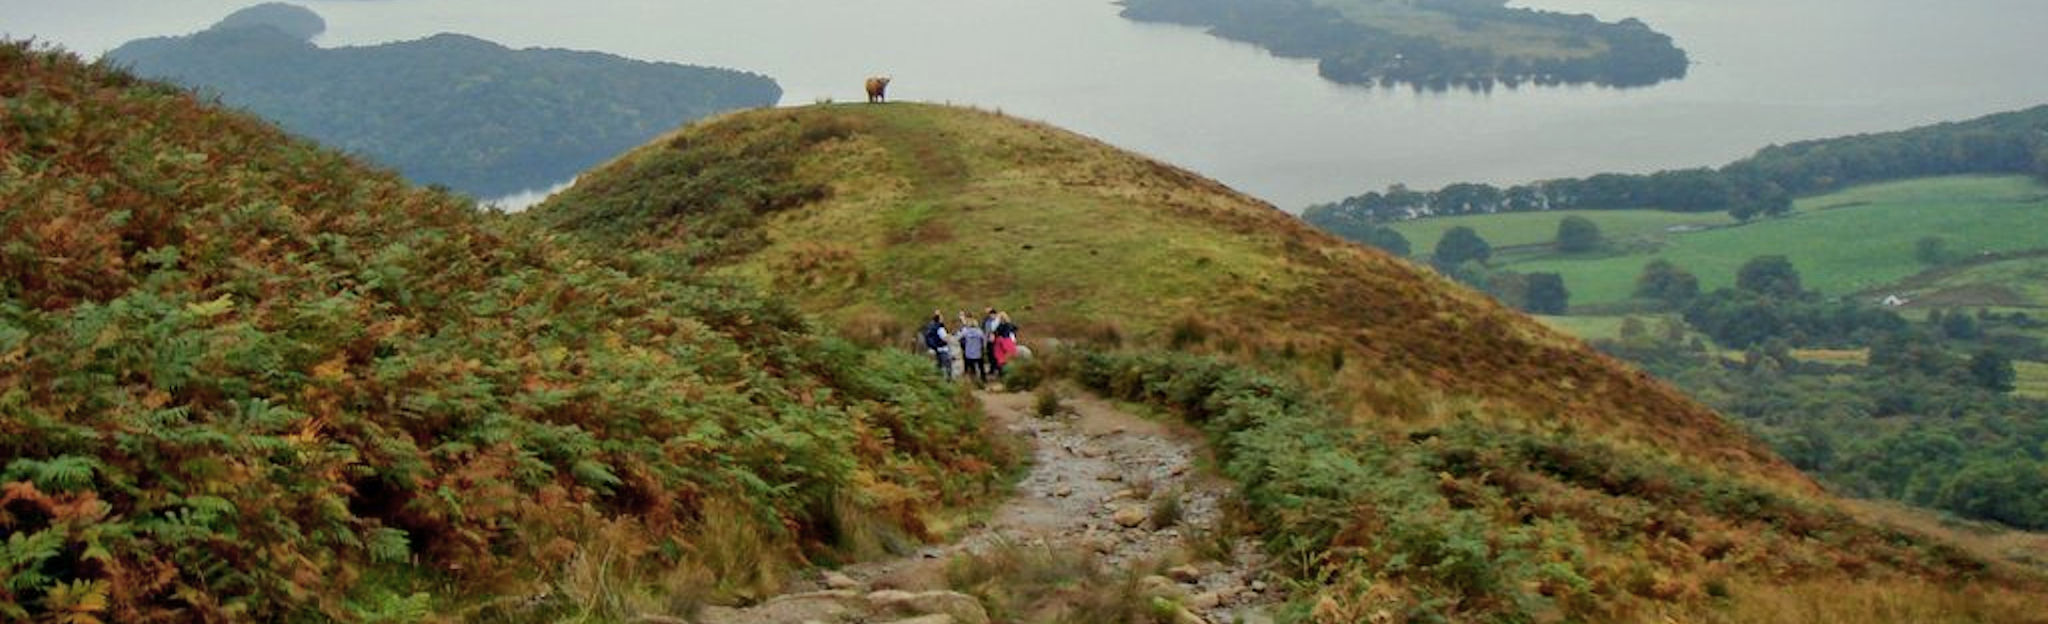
(1405, 445)
(246, 378)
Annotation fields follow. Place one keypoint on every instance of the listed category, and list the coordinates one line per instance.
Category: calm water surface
(1767, 71)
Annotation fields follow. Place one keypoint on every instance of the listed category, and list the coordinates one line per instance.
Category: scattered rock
(835, 580)
(1130, 516)
(1157, 586)
(935, 618)
(658, 619)
(963, 608)
(1204, 600)
(1114, 477)
(1259, 586)
(1184, 573)
(1063, 491)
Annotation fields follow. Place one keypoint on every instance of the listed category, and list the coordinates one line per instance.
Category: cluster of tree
(1939, 382)
(1917, 424)
(448, 110)
(1462, 255)
(1624, 54)
(1760, 185)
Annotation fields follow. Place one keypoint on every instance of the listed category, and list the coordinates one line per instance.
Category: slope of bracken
(873, 216)
(1411, 448)
(246, 378)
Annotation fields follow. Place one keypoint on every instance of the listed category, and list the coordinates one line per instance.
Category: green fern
(595, 474)
(22, 557)
(389, 545)
(69, 473)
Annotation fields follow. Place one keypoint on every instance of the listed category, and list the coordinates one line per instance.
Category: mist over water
(1765, 72)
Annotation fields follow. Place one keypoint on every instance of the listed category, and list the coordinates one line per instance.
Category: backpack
(931, 337)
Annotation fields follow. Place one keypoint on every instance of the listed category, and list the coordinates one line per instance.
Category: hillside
(247, 378)
(449, 109)
(1405, 444)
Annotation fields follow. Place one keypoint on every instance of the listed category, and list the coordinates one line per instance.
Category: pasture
(1856, 240)
(2033, 379)
(1507, 231)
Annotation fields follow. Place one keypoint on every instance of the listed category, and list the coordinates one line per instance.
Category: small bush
(1048, 404)
(1018, 583)
(1166, 510)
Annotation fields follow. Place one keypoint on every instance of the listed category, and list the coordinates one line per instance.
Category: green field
(1516, 229)
(2007, 283)
(2033, 380)
(1846, 242)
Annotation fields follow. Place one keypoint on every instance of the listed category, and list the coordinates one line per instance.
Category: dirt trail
(1093, 470)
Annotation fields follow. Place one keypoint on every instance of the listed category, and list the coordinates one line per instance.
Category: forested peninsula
(1435, 44)
(449, 110)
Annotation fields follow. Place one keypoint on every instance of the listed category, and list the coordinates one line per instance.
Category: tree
(1993, 371)
(1932, 250)
(1576, 234)
(1459, 245)
(1544, 293)
(1771, 276)
(1387, 239)
(1665, 282)
(1959, 326)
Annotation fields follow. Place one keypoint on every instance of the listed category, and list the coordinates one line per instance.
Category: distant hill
(449, 109)
(244, 378)
(1435, 44)
(1762, 184)
(1407, 446)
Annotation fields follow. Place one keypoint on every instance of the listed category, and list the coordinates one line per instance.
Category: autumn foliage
(246, 378)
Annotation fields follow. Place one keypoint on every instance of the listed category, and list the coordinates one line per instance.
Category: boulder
(1129, 516)
(962, 608)
(835, 580)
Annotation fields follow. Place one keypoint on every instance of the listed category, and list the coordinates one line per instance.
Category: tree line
(1760, 185)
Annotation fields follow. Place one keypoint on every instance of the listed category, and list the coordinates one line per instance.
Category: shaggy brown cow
(877, 86)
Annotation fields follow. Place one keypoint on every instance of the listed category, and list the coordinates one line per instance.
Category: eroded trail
(1099, 482)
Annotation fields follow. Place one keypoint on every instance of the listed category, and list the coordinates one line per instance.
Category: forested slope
(449, 109)
(1762, 184)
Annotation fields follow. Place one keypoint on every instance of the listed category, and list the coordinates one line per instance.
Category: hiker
(973, 347)
(988, 329)
(1005, 342)
(935, 339)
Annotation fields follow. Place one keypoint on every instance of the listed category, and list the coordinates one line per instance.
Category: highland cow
(878, 86)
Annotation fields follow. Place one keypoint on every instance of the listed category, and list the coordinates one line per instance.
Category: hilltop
(449, 109)
(1406, 446)
(247, 378)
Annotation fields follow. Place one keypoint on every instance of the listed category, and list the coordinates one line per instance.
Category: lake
(1766, 71)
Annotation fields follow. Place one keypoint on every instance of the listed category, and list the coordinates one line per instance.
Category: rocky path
(1096, 474)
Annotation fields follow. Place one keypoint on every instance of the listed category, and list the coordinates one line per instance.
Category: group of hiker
(985, 345)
